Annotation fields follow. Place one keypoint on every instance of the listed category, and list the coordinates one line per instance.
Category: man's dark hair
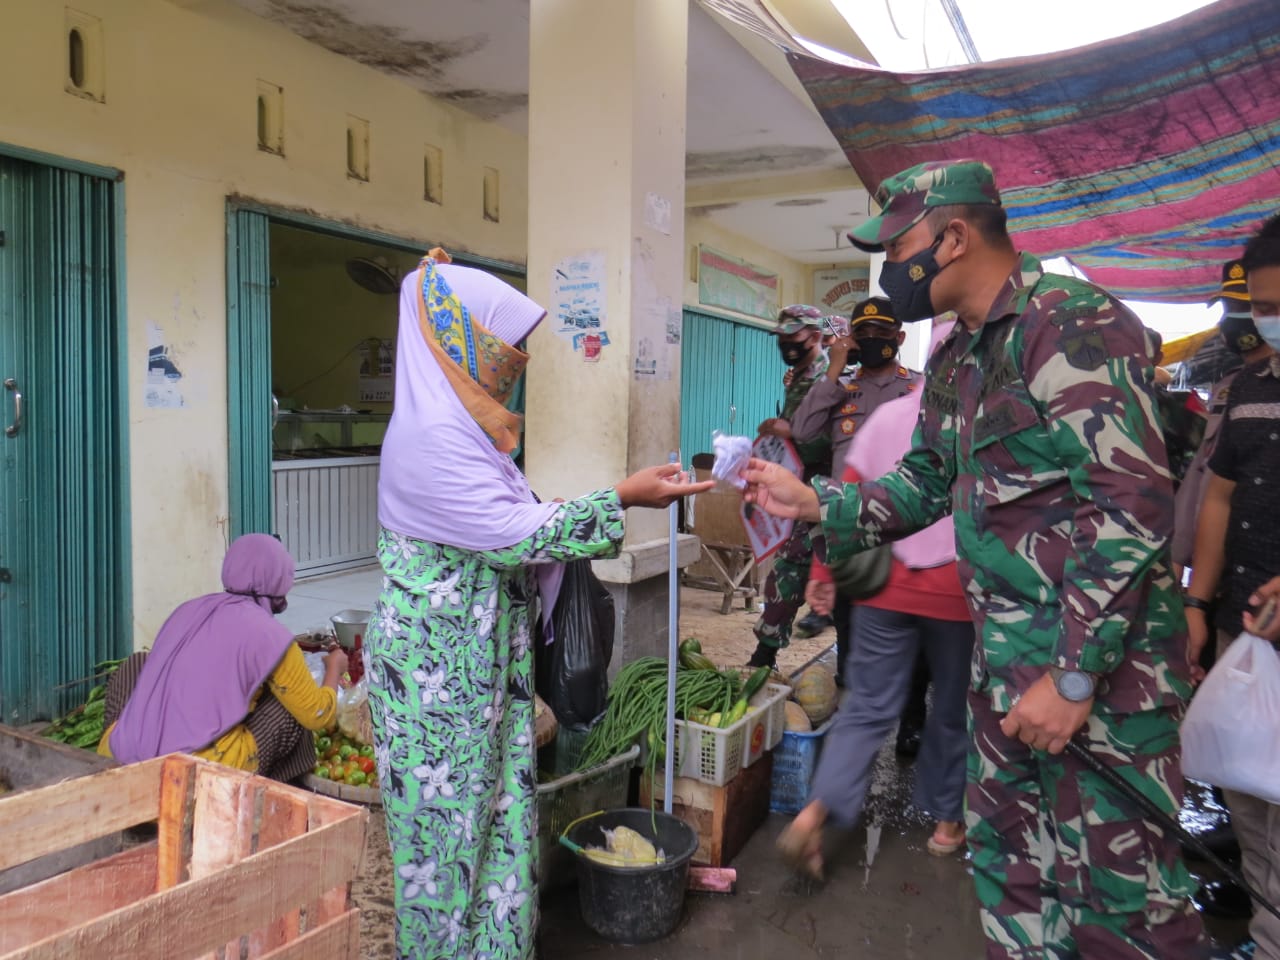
(991, 220)
(1263, 248)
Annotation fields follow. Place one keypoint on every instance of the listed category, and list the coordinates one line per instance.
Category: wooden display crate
(241, 866)
(28, 761)
(723, 817)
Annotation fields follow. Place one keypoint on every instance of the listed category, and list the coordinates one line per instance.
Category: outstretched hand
(778, 491)
(658, 486)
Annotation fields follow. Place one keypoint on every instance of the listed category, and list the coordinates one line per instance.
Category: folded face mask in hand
(732, 455)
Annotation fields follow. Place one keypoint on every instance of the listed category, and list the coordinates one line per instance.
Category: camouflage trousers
(784, 588)
(1064, 864)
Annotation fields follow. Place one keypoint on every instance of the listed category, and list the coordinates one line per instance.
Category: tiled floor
(313, 601)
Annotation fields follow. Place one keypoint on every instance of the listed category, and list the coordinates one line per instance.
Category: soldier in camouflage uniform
(1038, 434)
(799, 333)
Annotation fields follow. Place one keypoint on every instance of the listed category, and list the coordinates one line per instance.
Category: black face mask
(793, 354)
(906, 284)
(1239, 333)
(877, 352)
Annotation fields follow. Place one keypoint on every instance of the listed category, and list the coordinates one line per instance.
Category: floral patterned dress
(450, 669)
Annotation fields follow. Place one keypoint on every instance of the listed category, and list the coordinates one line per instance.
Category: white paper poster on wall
(164, 379)
(838, 290)
(578, 294)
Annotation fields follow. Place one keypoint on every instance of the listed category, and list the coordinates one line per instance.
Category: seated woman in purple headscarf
(224, 680)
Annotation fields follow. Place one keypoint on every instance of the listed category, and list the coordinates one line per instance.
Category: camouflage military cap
(905, 197)
(1235, 286)
(796, 317)
(874, 310)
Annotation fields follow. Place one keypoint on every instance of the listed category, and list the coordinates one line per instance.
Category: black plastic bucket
(634, 904)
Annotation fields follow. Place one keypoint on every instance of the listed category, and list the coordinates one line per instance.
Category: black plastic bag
(572, 672)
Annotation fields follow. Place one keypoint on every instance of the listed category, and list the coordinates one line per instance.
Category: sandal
(802, 850)
(943, 844)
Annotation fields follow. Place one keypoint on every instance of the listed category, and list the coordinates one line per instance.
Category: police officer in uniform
(842, 399)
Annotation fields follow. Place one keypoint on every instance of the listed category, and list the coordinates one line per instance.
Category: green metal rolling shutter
(249, 371)
(731, 379)
(69, 549)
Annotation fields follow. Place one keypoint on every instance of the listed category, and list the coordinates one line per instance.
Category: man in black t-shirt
(1237, 546)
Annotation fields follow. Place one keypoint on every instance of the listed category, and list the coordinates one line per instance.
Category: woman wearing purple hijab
(224, 680)
(467, 550)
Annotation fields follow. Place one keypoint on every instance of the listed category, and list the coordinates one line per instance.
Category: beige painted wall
(180, 121)
(795, 278)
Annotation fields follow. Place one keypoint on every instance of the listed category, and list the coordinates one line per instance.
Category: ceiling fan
(374, 274)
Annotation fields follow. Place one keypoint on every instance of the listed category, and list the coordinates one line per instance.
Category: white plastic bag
(1231, 734)
(732, 454)
(315, 666)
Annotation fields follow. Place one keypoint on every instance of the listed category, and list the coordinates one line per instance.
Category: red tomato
(365, 764)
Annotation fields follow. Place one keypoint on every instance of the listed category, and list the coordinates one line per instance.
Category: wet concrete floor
(885, 897)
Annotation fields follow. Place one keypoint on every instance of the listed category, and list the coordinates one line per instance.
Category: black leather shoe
(765, 656)
(810, 625)
(1222, 898)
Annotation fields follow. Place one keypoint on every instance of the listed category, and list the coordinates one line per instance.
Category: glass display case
(312, 434)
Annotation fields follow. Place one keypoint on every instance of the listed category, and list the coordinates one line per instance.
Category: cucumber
(755, 683)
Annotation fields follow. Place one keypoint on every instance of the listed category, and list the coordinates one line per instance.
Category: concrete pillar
(606, 188)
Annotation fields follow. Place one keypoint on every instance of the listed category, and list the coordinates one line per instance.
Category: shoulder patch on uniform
(1085, 349)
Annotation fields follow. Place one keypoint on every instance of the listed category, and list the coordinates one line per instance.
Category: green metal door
(731, 380)
(249, 399)
(64, 551)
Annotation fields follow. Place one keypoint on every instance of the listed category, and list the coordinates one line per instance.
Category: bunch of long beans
(637, 708)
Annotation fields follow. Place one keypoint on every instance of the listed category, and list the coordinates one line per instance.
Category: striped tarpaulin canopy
(1147, 159)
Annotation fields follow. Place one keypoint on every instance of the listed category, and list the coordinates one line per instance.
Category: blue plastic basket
(794, 761)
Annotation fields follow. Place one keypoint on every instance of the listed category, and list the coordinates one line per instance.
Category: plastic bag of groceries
(1231, 734)
(315, 665)
(354, 719)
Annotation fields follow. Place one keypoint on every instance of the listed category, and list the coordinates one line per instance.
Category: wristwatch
(1074, 685)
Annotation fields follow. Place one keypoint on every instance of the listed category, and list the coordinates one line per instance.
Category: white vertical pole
(673, 634)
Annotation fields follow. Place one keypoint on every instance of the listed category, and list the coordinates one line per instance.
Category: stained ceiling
(747, 118)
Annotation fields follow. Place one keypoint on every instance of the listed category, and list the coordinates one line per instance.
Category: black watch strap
(1196, 603)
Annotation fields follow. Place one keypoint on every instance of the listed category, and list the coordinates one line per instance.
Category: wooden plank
(334, 902)
(39, 822)
(59, 903)
(724, 818)
(28, 760)
(216, 819)
(222, 830)
(175, 821)
(339, 939)
(284, 816)
(198, 916)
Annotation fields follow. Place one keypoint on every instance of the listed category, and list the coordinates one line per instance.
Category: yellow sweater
(292, 684)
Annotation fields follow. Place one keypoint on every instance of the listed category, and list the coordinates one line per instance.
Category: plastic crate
(714, 755)
(794, 761)
(563, 801)
(561, 755)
